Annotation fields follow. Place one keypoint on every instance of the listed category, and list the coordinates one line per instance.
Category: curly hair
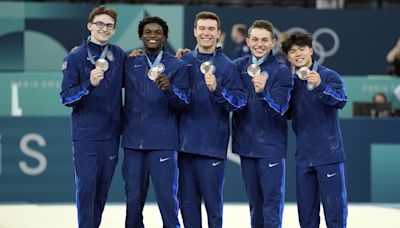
(148, 20)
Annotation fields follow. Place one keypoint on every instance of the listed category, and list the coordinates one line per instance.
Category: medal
(160, 67)
(207, 67)
(302, 73)
(156, 68)
(253, 69)
(153, 73)
(102, 64)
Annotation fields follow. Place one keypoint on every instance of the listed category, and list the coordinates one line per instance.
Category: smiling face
(207, 33)
(260, 42)
(300, 56)
(101, 35)
(153, 37)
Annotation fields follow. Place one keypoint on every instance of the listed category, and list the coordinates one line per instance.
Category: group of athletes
(175, 124)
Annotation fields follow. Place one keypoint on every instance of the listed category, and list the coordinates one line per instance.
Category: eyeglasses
(101, 25)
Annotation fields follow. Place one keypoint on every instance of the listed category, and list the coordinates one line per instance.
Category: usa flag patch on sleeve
(64, 65)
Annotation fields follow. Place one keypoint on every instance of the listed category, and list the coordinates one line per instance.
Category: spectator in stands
(238, 36)
(277, 50)
(379, 98)
(393, 58)
(383, 108)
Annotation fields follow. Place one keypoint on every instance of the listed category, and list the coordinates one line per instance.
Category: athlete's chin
(206, 46)
(298, 65)
(153, 49)
(259, 54)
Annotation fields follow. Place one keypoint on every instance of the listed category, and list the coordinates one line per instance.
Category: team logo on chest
(110, 56)
(265, 74)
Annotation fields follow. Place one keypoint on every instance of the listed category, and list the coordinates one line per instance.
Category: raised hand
(211, 81)
(96, 75)
(259, 82)
(163, 82)
(313, 78)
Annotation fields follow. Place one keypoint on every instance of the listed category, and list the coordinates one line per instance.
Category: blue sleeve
(73, 90)
(179, 93)
(331, 91)
(276, 95)
(230, 93)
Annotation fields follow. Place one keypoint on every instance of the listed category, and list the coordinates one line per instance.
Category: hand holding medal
(302, 73)
(259, 78)
(208, 69)
(96, 75)
(163, 82)
(154, 72)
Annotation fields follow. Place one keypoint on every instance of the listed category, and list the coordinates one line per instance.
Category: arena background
(35, 138)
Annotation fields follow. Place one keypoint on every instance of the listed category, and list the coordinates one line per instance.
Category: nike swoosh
(113, 157)
(164, 159)
(272, 164)
(189, 64)
(139, 65)
(329, 175)
(216, 163)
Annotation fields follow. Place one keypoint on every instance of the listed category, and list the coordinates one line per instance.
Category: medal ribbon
(259, 61)
(156, 61)
(195, 53)
(315, 66)
(91, 57)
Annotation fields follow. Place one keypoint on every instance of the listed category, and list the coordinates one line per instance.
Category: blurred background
(353, 37)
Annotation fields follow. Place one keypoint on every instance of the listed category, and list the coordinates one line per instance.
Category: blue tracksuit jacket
(150, 114)
(260, 129)
(316, 121)
(204, 125)
(97, 111)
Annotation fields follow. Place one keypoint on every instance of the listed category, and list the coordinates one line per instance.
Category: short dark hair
(207, 15)
(155, 19)
(103, 10)
(298, 38)
(262, 24)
